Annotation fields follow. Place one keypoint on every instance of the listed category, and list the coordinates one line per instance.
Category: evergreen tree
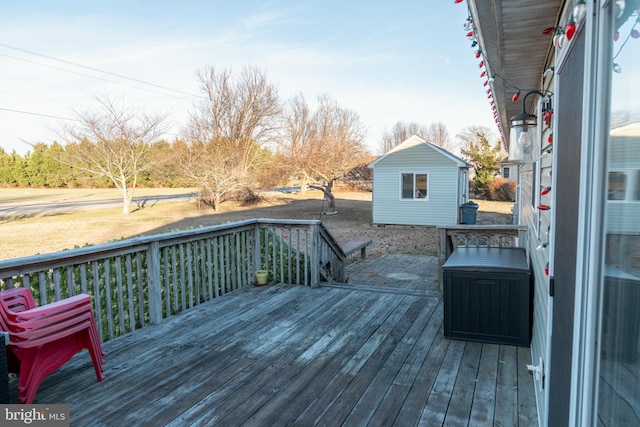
(478, 151)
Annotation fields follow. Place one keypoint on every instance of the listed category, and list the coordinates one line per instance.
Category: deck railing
(451, 236)
(141, 281)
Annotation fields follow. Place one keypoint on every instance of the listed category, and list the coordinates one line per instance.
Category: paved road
(31, 208)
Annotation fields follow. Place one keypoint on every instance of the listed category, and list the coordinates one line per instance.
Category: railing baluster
(141, 287)
(42, 283)
(188, 250)
(202, 268)
(229, 263)
(232, 261)
(167, 279)
(237, 256)
(132, 315)
(108, 303)
(209, 267)
(56, 284)
(97, 298)
(183, 287)
(70, 281)
(216, 269)
(174, 281)
(121, 311)
(83, 279)
(153, 274)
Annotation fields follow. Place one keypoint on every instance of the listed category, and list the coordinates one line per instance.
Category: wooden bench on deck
(353, 246)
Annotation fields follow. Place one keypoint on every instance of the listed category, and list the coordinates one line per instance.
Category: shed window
(624, 185)
(505, 172)
(415, 186)
(617, 185)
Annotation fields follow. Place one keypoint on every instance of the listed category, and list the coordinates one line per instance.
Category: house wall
(513, 172)
(532, 179)
(442, 205)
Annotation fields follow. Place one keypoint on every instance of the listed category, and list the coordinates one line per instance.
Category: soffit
(513, 47)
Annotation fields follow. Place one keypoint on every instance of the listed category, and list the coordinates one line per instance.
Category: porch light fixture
(523, 147)
(579, 11)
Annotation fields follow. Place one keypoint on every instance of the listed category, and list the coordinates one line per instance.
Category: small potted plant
(262, 277)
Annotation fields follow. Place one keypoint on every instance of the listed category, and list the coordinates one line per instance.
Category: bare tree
(399, 133)
(322, 145)
(228, 132)
(436, 133)
(113, 141)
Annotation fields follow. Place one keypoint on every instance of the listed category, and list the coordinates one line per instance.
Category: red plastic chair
(42, 339)
(22, 315)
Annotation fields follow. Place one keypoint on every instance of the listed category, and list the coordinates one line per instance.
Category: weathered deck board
(293, 355)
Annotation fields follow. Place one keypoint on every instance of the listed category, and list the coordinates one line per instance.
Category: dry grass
(55, 231)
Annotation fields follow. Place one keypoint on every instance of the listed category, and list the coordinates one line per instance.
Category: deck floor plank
(349, 377)
(379, 389)
(506, 411)
(438, 401)
(527, 412)
(311, 401)
(291, 355)
(482, 409)
(386, 340)
(459, 409)
(275, 331)
(277, 375)
(397, 396)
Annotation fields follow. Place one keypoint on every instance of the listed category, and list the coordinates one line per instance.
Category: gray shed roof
(415, 141)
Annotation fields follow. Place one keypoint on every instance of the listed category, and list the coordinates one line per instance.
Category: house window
(505, 172)
(415, 186)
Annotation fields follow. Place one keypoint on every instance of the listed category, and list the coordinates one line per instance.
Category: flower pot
(261, 277)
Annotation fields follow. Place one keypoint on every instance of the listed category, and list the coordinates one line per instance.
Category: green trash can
(468, 213)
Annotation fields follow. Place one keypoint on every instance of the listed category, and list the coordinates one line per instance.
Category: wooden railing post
(256, 248)
(154, 286)
(315, 255)
(442, 250)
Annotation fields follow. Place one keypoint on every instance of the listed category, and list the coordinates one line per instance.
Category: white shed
(419, 183)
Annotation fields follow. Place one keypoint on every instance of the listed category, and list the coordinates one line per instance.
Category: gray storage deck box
(487, 295)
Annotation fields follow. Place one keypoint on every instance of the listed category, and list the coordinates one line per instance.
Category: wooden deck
(370, 352)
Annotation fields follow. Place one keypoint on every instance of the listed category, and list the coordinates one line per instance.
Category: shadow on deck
(370, 352)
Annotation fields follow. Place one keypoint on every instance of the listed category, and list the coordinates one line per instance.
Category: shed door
(463, 187)
(567, 171)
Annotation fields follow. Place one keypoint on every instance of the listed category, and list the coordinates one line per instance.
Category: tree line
(240, 137)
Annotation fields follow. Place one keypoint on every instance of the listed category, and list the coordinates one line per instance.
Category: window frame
(413, 189)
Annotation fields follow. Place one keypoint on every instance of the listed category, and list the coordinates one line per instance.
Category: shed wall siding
(442, 204)
(623, 217)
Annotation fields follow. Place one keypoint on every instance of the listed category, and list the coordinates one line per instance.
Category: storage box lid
(484, 259)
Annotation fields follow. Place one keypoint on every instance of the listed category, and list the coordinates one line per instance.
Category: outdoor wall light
(523, 146)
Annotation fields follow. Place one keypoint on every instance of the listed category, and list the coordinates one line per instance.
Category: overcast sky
(388, 61)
